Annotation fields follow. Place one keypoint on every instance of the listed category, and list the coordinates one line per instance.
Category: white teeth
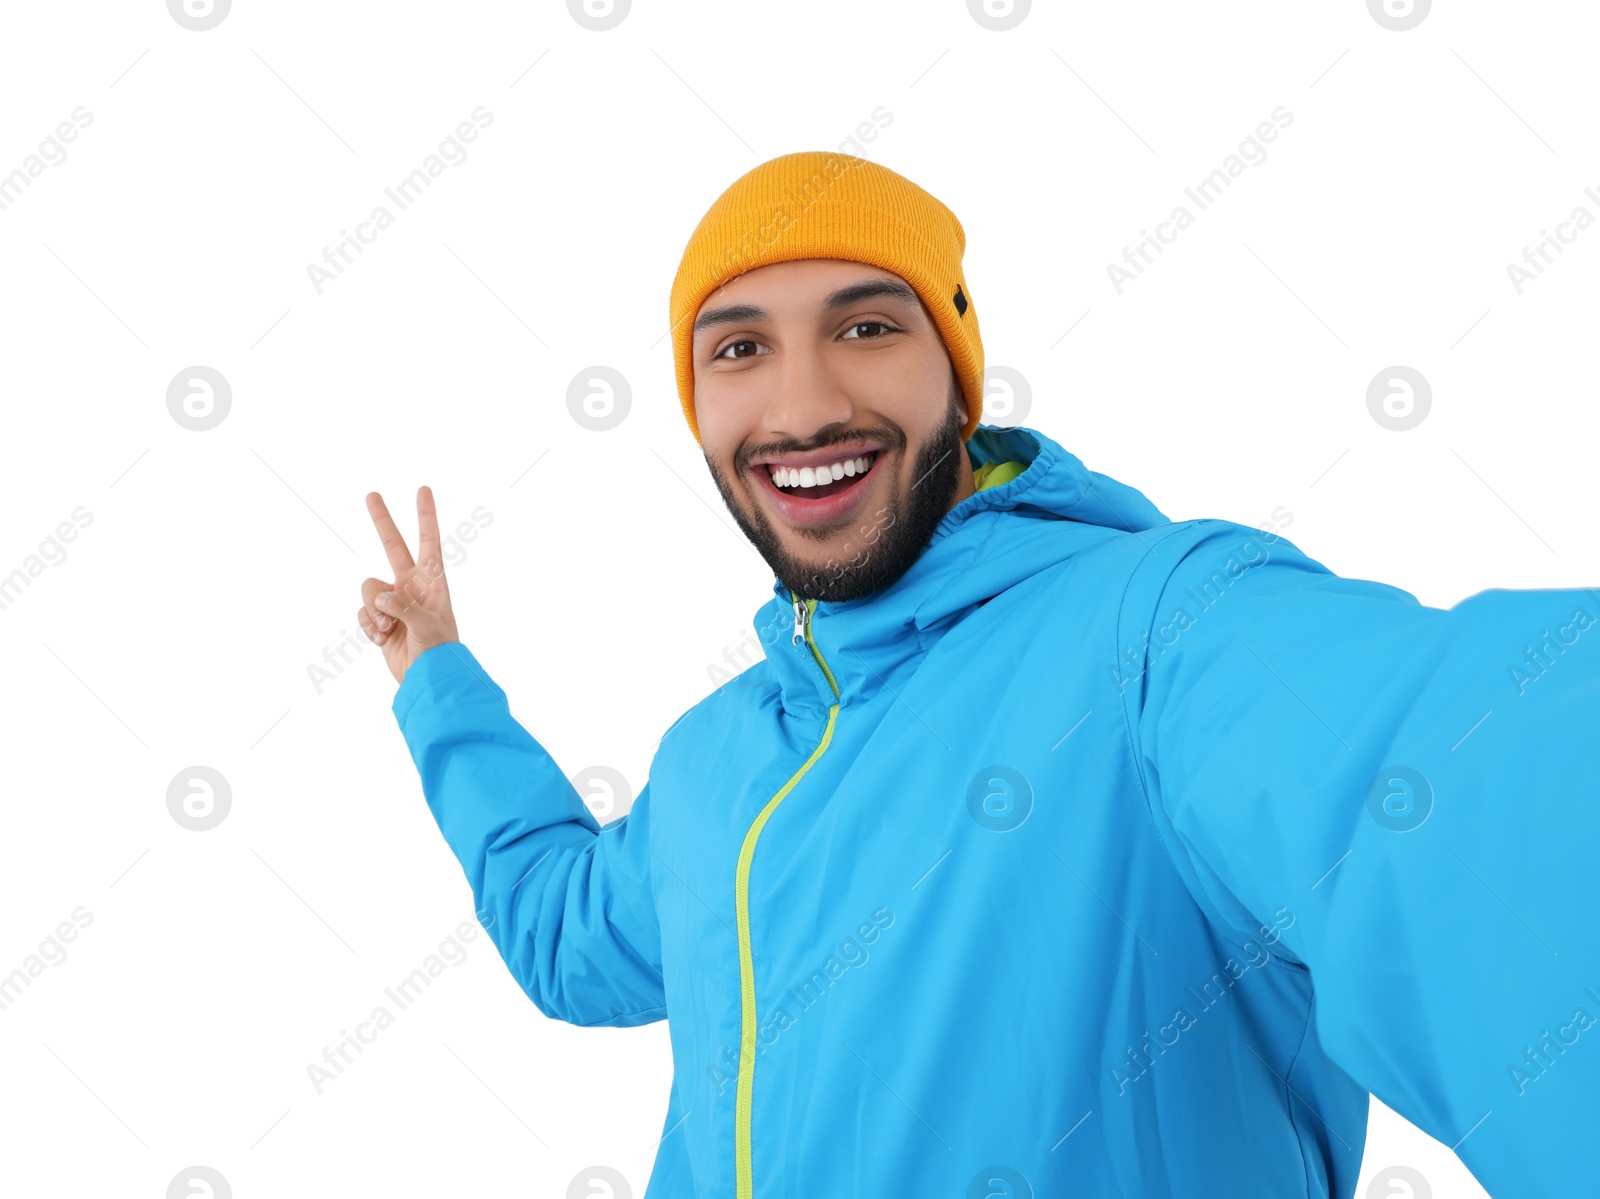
(806, 476)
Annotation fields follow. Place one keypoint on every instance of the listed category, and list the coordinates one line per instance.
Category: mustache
(891, 442)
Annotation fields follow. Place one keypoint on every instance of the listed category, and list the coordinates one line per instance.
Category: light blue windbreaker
(1100, 855)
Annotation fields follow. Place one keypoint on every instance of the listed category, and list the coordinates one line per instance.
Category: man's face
(821, 361)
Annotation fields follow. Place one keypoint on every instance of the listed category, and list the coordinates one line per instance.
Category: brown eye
(851, 332)
(733, 345)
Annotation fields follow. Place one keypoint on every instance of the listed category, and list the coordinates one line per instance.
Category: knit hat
(824, 204)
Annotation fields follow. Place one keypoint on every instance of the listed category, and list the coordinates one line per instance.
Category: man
(1054, 848)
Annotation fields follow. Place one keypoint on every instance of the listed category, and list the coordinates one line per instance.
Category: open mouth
(819, 483)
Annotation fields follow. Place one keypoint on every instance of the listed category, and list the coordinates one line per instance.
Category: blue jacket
(1100, 855)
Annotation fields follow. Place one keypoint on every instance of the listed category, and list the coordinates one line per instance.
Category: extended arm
(1421, 788)
(568, 904)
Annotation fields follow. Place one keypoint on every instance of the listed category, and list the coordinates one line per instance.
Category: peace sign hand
(412, 614)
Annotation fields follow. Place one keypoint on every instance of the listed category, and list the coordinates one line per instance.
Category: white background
(1228, 380)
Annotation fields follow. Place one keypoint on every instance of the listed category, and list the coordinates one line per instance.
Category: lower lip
(835, 508)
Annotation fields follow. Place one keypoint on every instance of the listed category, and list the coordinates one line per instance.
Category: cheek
(718, 438)
(906, 395)
(727, 411)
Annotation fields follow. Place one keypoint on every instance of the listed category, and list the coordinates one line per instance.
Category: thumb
(422, 624)
(395, 603)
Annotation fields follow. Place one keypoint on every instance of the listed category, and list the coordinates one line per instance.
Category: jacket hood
(984, 545)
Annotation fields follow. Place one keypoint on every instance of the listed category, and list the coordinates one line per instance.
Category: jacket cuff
(438, 668)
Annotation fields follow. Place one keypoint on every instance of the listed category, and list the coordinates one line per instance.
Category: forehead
(801, 285)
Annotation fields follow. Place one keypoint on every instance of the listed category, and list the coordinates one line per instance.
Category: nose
(806, 400)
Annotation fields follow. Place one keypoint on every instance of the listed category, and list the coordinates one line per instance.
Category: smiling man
(812, 381)
(1055, 847)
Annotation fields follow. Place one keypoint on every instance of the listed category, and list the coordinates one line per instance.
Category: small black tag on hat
(960, 302)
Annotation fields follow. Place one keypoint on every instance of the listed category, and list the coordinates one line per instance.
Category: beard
(885, 542)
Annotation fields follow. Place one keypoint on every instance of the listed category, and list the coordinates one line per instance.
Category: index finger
(427, 526)
(393, 544)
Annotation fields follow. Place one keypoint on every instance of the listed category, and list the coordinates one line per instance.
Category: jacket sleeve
(568, 904)
(1418, 786)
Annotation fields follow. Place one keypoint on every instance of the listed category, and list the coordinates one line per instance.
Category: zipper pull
(799, 622)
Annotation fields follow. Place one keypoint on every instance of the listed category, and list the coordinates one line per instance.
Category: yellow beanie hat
(823, 204)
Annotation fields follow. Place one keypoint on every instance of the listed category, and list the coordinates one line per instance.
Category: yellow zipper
(747, 978)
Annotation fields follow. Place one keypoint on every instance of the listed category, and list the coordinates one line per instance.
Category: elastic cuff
(433, 667)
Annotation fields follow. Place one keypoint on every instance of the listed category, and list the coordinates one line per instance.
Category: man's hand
(412, 614)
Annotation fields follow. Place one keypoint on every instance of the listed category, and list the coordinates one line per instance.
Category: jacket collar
(987, 543)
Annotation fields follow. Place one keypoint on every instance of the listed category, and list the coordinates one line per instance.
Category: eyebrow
(854, 293)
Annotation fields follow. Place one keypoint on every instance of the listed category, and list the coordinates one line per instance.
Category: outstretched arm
(1421, 788)
(568, 904)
